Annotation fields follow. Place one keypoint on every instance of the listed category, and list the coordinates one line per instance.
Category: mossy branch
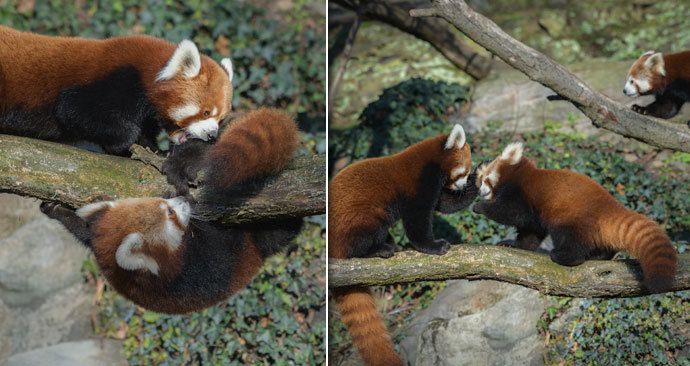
(602, 110)
(614, 278)
(74, 177)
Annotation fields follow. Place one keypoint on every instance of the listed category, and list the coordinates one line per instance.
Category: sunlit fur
(109, 92)
(666, 76)
(582, 218)
(367, 198)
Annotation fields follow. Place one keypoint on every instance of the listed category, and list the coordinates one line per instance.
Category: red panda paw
(436, 247)
(639, 109)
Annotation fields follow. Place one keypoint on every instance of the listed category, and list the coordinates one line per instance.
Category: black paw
(479, 208)
(639, 109)
(55, 210)
(436, 247)
(510, 243)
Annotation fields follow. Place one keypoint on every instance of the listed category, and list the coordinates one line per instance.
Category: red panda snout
(194, 92)
(646, 75)
(488, 175)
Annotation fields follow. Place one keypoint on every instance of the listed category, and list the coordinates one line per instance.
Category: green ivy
(615, 331)
(276, 63)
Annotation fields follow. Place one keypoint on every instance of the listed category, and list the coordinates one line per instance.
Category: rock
(507, 101)
(477, 323)
(36, 260)
(92, 352)
(16, 211)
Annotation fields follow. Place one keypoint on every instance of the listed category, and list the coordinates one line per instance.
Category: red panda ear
(186, 60)
(512, 153)
(456, 138)
(93, 208)
(655, 62)
(227, 65)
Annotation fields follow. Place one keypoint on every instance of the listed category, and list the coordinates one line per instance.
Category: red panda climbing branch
(154, 252)
(582, 218)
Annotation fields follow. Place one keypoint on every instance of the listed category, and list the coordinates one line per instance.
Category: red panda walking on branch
(112, 92)
(667, 77)
(582, 218)
(155, 253)
(368, 197)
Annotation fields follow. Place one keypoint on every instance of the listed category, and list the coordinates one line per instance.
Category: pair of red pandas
(123, 90)
(582, 218)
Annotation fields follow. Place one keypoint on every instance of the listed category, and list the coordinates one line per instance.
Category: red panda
(582, 218)
(154, 252)
(369, 196)
(665, 76)
(111, 92)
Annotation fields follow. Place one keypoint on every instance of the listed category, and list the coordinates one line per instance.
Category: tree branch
(602, 110)
(74, 177)
(433, 31)
(615, 278)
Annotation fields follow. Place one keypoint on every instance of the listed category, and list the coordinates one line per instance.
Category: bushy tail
(647, 242)
(364, 323)
(259, 144)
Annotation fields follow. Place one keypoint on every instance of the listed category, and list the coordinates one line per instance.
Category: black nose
(212, 138)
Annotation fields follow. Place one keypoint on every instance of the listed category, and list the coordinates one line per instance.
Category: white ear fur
(512, 153)
(92, 208)
(227, 65)
(128, 260)
(185, 60)
(656, 63)
(648, 53)
(456, 137)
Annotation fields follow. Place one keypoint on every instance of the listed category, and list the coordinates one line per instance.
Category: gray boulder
(477, 323)
(507, 101)
(92, 352)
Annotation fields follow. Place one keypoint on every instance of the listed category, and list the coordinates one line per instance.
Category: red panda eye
(207, 113)
(171, 212)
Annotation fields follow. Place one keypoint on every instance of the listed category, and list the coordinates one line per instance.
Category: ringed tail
(258, 144)
(366, 327)
(646, 241)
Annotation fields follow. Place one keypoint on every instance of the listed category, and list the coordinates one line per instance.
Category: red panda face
(489, 175)
(194, 93)
(132, 227)
(458, 158)
(646, 75)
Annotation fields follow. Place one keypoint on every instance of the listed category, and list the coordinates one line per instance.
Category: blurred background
(393, 83)
(54, 305)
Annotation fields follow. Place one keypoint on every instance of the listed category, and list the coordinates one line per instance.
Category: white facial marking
(485, 190)
(227, 65)
(182, 209)
(643, 86)
(458, 171)
(186, 60)
(93, 208)
(131, 261)
(204, 129)
(512, 153)
(185, 111)
(459, 184)
(215, 111)
(456, 137)
(630, 89)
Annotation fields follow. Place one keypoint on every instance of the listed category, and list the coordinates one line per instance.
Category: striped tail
(365, 325)
(258, 144)
(647, 242)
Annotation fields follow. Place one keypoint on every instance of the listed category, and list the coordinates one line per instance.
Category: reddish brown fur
(34, 68)
(675, 65)
(565, 198)
(260, 143)
(359, 196)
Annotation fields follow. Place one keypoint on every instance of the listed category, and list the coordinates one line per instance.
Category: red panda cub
(582, 218)
(155, 253)
(666, 76)
(367, 198)
(112, 92)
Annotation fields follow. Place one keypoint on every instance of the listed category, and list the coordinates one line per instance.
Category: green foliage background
(645, 330)
(279, 319)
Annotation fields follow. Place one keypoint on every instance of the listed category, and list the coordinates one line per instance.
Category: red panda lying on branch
(112, 92)
(155, 253)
